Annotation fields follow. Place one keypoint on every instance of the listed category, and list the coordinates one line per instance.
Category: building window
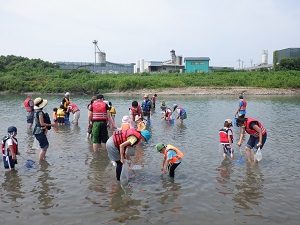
(197, 63)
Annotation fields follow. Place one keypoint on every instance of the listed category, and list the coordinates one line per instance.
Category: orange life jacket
(252, 131)
(99, 111)
(179, 154)
(27, 104)
(121, 136)
(223, 133)
(125, 126)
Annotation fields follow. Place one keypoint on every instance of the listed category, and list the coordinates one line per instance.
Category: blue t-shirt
(171, 154)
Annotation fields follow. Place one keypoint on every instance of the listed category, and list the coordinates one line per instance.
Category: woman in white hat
(42, 124)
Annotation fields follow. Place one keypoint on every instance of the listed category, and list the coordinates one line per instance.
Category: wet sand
(189, 91)
(210, 91)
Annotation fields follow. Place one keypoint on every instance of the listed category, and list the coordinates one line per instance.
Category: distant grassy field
(82, 82)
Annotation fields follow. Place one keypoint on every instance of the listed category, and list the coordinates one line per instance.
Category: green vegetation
(18, 74)
(288, 64)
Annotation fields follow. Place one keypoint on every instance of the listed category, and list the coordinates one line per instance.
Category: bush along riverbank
(19, 75)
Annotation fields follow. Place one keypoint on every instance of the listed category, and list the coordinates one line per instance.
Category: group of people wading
(253, 127)
(101, 115)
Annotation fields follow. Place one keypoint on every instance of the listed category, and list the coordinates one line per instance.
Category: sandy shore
(211, 91)
(189, 91)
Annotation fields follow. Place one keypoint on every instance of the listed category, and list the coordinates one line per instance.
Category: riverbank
(186, 91)
(209, 91)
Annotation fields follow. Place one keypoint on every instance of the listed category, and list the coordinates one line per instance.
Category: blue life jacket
(146, 105)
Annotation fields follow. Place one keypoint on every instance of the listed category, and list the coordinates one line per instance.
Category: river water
(77, 186)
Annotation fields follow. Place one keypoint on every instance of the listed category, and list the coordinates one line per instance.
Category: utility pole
(239, 61)
(95, 42)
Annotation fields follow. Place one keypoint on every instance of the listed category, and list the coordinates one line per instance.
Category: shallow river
(77, 186)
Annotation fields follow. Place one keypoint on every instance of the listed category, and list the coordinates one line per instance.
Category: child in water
(172, 157)
(140, 123)
(125, 123)
(226, 139)
(10, 148)
(54, 115)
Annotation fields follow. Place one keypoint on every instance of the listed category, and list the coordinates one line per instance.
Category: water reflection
(97, 172)
(12, 186)
(29, 138)
(249, 190)
(122, 203)
(172, 190)
(44, 193)
(223, 177)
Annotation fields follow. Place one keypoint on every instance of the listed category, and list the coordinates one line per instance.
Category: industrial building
(286, 53)
(99, 66)
(107, 67)
(172, 65)
(264, 62)
(196, 64)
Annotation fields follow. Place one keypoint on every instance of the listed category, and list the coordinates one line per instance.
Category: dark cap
(100, 96)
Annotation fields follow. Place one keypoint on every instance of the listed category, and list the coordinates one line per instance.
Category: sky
(129, 30)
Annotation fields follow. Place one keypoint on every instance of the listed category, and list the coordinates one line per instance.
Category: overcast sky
(128, 30)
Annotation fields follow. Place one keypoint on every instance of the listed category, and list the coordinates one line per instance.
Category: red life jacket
(223, 133)
(99, 111)
(6, 151)
(121, 136)
(136, 111)
(27, 105)
(243, 107)
(252, 131)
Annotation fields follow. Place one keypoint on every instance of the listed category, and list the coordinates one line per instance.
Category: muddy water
(77, 186)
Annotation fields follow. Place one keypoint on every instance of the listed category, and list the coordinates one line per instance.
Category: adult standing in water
(98, 116)
(42, 124)
(153, 99)
(146, 107)
(258, 136)
(28, 105)
(118, 143)
(66, 102)
(241, 111)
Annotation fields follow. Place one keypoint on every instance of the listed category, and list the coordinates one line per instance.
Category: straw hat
(40, 103)
(125, 119)
(137, 117)
(228, 121)
(146, 96)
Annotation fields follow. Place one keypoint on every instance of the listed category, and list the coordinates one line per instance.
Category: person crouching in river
(117, 145)
(258, 136)
(172, 158)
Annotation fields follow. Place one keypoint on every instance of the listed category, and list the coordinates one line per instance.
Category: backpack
(47, 120)
(4, 139)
